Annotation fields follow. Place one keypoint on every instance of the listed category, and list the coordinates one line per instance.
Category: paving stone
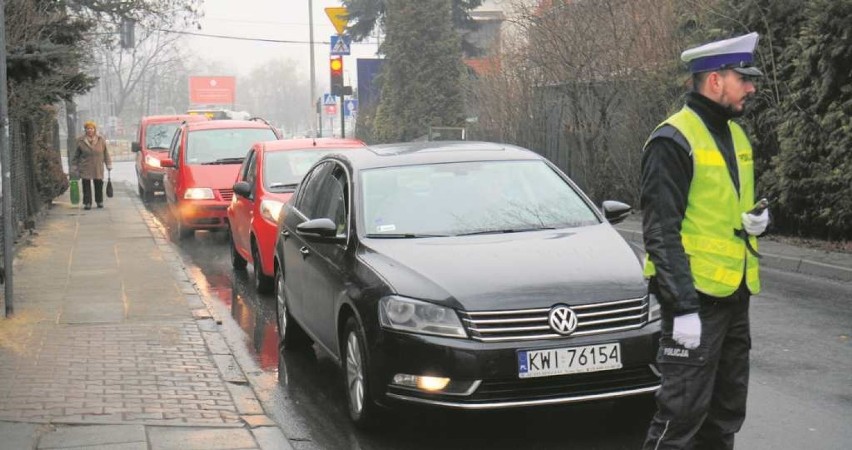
(200, 439)
(91, 435)
(271, 438)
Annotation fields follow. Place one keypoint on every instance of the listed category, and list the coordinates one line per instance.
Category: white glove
(687, 330)
(756, 224)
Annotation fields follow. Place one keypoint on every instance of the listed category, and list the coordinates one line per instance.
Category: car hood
(510, 271)
(159, 154)
(216, 176)
(282, 197)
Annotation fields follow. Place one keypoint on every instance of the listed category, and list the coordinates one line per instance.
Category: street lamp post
(313, 98)
(5, 168)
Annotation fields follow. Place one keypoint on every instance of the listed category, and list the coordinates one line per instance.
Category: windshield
(158, 136)
(224, 145)
(285, 169)
(469, 198)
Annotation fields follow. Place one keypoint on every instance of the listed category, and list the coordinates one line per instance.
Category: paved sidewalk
(111, 346)
(776, 255)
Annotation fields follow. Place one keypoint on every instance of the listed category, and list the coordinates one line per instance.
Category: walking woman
(89, 160)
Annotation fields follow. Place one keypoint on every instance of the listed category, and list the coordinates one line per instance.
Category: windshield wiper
(238, 160)
(404, 235)
(505, 231)
(158, 147)
(283, 185)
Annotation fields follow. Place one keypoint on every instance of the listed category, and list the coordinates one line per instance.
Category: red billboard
(212, 90)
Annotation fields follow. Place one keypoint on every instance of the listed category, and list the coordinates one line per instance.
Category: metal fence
(31, 141)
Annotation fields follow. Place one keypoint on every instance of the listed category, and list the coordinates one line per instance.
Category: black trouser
(87, 191)
(702, 401)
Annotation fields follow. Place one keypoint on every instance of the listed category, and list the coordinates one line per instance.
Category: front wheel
(237, 260)
(262, 282)
(180, 230)
(362, 408)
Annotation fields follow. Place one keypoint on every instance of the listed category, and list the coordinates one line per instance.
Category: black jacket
(666, 176)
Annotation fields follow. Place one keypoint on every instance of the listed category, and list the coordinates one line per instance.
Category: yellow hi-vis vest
(717, 257)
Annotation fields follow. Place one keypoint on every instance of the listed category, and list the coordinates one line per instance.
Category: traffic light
(335, 66)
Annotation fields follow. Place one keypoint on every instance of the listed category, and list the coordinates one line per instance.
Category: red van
(152, 145)
(203, 161)
(269, 176)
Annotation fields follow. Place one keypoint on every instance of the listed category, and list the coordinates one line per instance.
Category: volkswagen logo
(562, 319)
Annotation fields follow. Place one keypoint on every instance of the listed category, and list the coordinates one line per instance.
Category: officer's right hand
(687, 330)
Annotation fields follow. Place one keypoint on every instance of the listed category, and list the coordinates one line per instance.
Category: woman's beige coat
(89, 160)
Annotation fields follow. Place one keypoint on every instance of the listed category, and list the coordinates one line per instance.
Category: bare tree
(128, 69)
(276, 92)
(588, 81)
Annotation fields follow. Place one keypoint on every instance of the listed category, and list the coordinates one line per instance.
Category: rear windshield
(158, 136)
(284, 170)
(224, 145)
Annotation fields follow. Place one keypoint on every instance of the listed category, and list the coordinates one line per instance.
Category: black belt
(742, 234)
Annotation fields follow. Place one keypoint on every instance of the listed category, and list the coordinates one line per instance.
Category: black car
(464, 275)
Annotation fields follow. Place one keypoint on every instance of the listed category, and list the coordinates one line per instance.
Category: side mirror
(319, 230)
(242, 188)
(135, 147)
(615, 212)
(167, 162)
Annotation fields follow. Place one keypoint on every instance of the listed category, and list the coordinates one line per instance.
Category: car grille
(226, 194)
(529, 324)
(565, 385)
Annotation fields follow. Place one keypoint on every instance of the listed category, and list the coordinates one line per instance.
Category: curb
(784, 263)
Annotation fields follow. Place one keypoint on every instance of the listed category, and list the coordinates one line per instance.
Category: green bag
(75, 192)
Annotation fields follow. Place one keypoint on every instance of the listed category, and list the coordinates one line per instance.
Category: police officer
(699, 230)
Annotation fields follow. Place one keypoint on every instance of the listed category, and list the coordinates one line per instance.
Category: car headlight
(271, 210)
(405, 314)
(653, 308)
(151, 161)
(198, 194)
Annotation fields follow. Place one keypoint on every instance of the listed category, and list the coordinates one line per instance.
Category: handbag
(109, 186)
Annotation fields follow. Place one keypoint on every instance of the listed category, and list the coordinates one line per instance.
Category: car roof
(433, 152)
(226, 124)
(308, 144)
(173, 118)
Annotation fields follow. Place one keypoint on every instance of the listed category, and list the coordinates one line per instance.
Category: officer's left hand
(756, 224)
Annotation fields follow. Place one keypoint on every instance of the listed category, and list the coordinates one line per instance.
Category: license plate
(563, 361)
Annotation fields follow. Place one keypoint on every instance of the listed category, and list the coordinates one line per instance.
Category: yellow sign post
(339, 17)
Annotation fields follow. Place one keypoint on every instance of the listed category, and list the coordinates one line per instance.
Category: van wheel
(147, 196)
(180, 231)
(262, 282)
(362, 408)
(237, 260)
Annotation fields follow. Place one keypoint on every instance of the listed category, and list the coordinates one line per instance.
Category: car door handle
(304, 251)
(285, 234)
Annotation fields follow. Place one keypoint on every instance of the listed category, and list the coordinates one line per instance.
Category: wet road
(312, 402)
(801, 382)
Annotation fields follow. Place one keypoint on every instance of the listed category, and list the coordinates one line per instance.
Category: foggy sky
(271, 19)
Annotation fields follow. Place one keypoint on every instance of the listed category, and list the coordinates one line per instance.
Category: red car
(203, 162)
(152, 145)
(267, 179)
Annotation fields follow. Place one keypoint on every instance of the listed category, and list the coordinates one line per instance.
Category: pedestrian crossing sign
(340, 45)
(328, 99)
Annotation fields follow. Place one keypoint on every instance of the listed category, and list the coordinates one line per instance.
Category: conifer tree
(422, 75)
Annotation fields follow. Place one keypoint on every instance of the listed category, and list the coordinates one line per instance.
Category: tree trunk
(71, 125)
